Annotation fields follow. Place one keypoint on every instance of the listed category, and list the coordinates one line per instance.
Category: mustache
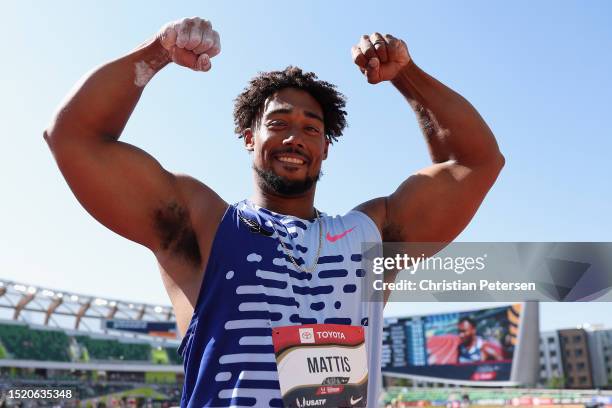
(292, 150)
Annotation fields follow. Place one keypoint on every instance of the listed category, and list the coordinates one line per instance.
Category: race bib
(321, 365)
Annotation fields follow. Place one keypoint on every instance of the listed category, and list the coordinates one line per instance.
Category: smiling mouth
(290, 160)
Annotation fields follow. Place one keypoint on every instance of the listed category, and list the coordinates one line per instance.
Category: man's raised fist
(380, 57)
(190, 42)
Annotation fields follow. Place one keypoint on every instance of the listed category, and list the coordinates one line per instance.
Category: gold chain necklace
(286, 251)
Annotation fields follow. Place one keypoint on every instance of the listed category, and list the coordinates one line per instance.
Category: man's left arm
(436, 203)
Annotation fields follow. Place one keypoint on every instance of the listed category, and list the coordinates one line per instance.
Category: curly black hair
(249, 104)
(468, 319)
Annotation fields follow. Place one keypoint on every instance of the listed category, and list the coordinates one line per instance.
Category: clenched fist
(380, 58)
(191, 42)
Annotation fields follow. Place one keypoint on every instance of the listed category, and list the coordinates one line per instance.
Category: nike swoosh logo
(354, 401)
(334, 238)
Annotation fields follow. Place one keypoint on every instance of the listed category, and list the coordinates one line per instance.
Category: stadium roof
(40, 306)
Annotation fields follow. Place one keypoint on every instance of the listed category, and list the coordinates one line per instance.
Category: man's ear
(249, 139)
(326, 148)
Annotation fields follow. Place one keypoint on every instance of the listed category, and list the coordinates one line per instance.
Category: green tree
(556, 382)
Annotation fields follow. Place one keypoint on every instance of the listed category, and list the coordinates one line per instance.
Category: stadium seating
(20, 342)
(99, 349)
(174, 356)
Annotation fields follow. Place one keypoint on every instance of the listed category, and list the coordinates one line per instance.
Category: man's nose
(294, 137)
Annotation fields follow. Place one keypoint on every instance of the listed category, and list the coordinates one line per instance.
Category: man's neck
(299, 206)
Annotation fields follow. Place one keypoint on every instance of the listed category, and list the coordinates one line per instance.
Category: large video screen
(470, 337)
(474, 346)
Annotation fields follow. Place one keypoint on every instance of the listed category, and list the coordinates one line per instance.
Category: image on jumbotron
(471, 337)
(477, 346)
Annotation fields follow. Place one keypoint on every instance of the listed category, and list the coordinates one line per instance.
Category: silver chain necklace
(286, 251)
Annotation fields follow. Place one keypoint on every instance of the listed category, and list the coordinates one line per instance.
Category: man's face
(466, 332)
(288, 142)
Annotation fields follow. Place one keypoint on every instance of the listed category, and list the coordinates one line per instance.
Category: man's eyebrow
(287, 111)
(314, 116)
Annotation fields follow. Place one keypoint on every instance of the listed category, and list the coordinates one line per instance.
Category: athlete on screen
(266, 291)
(473, 348)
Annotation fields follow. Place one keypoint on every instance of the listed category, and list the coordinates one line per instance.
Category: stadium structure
(108, 352)
(118, 353)
(427, 361)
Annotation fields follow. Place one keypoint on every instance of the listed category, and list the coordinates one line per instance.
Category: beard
(272, 182)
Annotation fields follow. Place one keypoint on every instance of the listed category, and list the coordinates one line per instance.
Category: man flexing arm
(123, 187)
(436, 203)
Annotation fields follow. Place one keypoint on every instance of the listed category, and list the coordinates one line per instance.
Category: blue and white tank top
(250, 286)
(472, 354)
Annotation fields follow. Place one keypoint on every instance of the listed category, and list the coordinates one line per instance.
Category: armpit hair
(176, 233)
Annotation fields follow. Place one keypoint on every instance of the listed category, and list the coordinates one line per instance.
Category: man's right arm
(122, 186)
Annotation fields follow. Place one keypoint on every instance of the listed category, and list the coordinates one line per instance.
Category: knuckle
(370, 52)
(167, 32)
(204, 32)
(204, 37)
(203, 22)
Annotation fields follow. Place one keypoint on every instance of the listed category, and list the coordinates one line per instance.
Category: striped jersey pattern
(250, 286)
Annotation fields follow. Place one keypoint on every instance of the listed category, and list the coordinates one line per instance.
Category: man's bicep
(437, 203)
(123, 187)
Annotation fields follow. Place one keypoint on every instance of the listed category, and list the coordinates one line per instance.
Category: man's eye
(312, 129)
(276, 124)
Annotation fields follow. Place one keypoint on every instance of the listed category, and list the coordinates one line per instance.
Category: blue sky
(538, 72)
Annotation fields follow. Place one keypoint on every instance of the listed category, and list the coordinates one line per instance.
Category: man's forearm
(452, 127)
(103, 101)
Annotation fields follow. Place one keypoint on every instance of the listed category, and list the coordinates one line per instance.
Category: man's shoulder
(203, 203)
(376, 210)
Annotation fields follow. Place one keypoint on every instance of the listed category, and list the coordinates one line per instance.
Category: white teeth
(291, 160)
